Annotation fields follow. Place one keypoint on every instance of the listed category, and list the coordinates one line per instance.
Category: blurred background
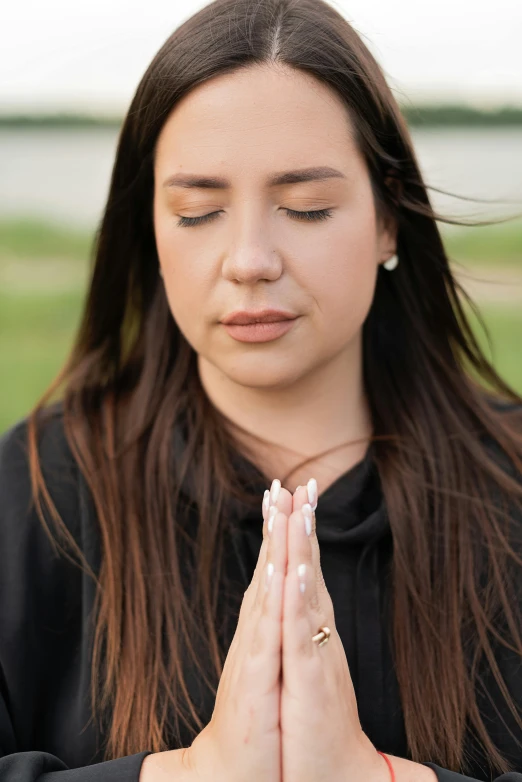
(68, 72)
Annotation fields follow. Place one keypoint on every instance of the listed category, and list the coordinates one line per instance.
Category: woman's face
(252, 254)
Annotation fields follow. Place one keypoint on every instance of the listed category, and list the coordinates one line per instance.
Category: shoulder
(56, 460)
(41, 590)
(51, 435)
(18, 518)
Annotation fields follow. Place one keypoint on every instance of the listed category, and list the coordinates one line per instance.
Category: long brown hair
(131, 375)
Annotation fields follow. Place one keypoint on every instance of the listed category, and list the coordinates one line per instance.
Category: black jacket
(45, 603)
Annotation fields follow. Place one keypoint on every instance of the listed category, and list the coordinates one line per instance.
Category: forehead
(259, 117)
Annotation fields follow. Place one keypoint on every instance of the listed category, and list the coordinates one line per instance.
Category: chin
(261, 376)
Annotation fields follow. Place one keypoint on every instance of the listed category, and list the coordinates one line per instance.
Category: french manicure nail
(312, 492)
(307, 513)
(266, 501)
(272, 513)
(269, 574)
(274, 491)
(301, 572)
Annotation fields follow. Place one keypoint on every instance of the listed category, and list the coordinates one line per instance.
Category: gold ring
(322, 636)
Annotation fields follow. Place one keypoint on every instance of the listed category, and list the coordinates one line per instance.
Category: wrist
(371, 764)
(408, 771)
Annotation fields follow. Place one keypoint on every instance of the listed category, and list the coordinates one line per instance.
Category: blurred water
(64, 174)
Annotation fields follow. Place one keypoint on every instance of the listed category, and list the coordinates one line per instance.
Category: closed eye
(318, 214)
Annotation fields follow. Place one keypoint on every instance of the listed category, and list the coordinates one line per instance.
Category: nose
(252, 255)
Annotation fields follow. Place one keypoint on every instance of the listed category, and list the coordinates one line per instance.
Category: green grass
(28, 237)
(36, 333)
(490, 245)
(505, 327)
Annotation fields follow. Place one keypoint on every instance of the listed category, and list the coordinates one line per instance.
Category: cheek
(186, 282)
(345, 274)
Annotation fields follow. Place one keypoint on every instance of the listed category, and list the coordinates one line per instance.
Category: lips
(259, 332)
(244, 318)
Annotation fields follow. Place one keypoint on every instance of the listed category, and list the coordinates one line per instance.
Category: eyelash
(318, 214)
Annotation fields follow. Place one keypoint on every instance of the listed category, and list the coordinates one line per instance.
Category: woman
(264, 165)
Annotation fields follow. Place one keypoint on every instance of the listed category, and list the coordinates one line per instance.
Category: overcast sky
(73, 55)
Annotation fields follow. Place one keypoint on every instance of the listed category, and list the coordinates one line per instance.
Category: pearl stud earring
(391, 263)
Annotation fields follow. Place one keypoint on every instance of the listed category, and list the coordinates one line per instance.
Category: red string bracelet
(388, 761)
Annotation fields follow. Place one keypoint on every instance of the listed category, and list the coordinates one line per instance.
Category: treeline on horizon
(439, 115)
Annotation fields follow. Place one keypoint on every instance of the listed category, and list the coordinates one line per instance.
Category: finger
(303, 494)
(309, 607)
(278, 496)
(261, 561)
(256, 649)
(307, 667)
(304, 612)
(273, 550)
(281, 499)
(268, 606)
(303, 497)
(276, 552)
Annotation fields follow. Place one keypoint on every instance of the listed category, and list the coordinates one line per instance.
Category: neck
(323, 409)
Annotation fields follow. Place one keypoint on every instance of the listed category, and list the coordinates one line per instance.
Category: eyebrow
(318, 173)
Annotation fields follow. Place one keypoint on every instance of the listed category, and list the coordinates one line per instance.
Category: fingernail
(301, 572)
(307, 513)
(272, 513)
(274, 491)
(311, 487)
(269, 574)
(266, 501)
